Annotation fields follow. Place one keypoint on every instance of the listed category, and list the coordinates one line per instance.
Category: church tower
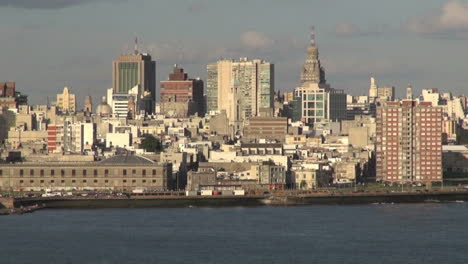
(409, 92)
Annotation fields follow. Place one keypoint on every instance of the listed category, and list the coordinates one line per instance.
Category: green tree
(151, 144)
(303, 184)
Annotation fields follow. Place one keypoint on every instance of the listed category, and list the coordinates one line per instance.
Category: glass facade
(266, 85)
(128, 73)
(212, 87)
(251, 87)
(314, 105)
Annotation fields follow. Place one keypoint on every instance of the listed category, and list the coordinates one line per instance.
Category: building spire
(136, 45)
(312, 35)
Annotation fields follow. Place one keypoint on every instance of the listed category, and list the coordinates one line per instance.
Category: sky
(48, 44)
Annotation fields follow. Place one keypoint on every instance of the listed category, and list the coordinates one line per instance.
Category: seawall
(223, 201)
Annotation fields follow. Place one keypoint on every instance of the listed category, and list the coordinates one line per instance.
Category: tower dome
(104, 109)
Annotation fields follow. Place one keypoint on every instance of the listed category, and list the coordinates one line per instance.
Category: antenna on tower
(312, 35)
(136, 46)
(181, 54)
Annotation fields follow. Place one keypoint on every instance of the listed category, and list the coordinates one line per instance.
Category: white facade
(122, 140)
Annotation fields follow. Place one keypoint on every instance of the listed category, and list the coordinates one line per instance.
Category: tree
(151, 144)
(303, 184)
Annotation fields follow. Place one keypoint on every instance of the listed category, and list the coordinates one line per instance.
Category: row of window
(84, 181)
(74, 172)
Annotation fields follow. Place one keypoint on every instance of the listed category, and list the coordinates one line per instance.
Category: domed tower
(88, 105)
(312, 71)
(104, 109)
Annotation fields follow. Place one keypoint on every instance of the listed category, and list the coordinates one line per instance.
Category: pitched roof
(127, 159)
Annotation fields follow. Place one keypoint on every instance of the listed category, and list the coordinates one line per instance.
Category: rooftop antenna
(181, 54)
(312, 35)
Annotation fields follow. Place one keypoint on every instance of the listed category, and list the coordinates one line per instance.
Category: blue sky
(49, 44)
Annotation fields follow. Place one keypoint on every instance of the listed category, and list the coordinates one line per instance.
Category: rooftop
(127, 159)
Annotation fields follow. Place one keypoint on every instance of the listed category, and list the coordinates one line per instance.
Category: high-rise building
(130, 70)
(66, 101)
(320, 102)
(182, 96)
(409, 142)
(242, 89)
(373, 88)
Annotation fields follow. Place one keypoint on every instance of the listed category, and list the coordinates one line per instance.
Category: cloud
(43, 4)
(352, 30)
(451, 19)
(254, 39)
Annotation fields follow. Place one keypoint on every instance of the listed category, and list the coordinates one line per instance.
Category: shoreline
(234, 201)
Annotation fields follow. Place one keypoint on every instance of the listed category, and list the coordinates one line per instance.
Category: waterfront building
(242, 89)
(181, 96)
(138, 69)
(409, 142)
(118, 173)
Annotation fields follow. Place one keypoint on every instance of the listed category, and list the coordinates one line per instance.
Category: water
(410, 233)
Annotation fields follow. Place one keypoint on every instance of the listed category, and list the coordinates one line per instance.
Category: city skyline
(396, 50)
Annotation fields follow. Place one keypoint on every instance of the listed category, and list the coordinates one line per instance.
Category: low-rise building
(118, 173)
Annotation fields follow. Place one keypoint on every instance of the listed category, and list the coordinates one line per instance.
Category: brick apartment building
(409, 142)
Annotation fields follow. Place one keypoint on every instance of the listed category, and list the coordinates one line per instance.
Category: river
(388, 233)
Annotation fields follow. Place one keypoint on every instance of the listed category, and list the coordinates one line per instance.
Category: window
(52, 181)
(1, 172)
(41, 172)
(106, 181)
(62, 181)
(21, 181)
(84, 181)
(154, 172)
(95, 181)
(133, 181)
(73, 181)
(95, 172)
(31, 181)
(106, 172)
(62, 172)
(31, 172)
(21, 172)
(124, 172)
(133, 171)
(154, 181)
(42, 181)
(73, 172)
(144, 181)
(84, 172)
(143, 172)
(124, 181)
(52, 172)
